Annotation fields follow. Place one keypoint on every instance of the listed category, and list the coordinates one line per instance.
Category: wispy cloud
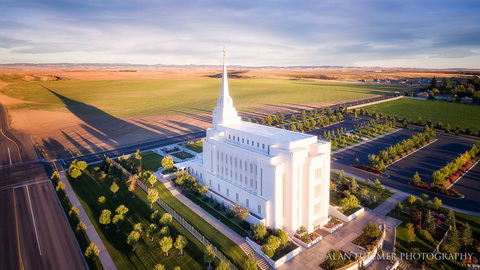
(437, 34)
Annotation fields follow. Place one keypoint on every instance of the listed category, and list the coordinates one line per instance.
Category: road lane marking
(18, 148)
(9, 156)
(18, 236)
(28, 183)
(33, 218)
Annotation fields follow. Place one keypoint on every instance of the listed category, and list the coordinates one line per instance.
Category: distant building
(282, 177)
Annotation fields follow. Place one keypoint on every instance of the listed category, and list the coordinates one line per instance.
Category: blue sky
(426, 34)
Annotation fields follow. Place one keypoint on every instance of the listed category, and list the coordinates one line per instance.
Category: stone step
(246, 248)
(262, 263)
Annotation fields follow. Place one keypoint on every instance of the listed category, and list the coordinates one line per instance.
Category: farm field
(464, 116)
(144, 97)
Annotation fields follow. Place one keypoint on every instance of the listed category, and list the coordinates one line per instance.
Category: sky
(418, 34)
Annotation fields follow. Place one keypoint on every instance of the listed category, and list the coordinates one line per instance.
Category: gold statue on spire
(224, 50)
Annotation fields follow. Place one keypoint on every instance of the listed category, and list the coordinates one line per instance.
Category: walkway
(104, 256)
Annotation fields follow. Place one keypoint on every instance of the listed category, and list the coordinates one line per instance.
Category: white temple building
(282, 177)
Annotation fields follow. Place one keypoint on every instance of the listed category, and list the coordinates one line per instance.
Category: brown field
(61, 133)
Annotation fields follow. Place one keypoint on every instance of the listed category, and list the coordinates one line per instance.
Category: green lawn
(372, 189)
(223, 243)
(446, 112)
(140, 97)
(88, 189)
(151, 161)
(197, 147)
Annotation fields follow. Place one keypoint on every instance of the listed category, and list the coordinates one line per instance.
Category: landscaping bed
(182, 155)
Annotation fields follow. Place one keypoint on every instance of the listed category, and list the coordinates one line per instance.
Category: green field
(446, 112)
(140, 97)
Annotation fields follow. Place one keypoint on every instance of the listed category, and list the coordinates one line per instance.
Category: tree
(446, 85)
(55, 177)
(450, 219)
(372, 230)
(273, 242)
(117, 221)
(399, 208)
(121, 210)
(381, 188)
(138, 227)
(293, 127)
(349, 202)
(180, 243)
(424, 198)
(166, 244)
(250, 263)
(333, 259)
(223, 265)
(240, 212)
(283, 237)
(138, 156)
(429, 223)
(132, 239)
(377, 183)
(152, 196)
(60, 186)
(410, 234)
(74, 214)
(433, 83)
(356, 161)
(105, 218)
(92, 251)
(155, 217)
(114, 188)
(437, 203)
(411, 199)
(152, 180)
(167, 163)
(466, 239)
(74, 172)
(159, 267)
(101, 201)
(267, 250)
(259, 232)
(166, 219)
(416, 178)
(353, 186)
(133, 185)
(165, 231)
(151, 231)
(81, 228)
(208, 255)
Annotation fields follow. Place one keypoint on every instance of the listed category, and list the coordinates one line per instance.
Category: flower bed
(307, 240)
(333, 224)
(438, 189)
(368, 169)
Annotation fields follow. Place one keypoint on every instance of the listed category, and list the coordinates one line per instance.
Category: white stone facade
(282, 177)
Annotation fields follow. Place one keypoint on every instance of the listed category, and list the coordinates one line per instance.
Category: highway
(34, 231)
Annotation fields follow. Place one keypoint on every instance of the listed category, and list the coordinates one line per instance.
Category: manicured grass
(216, 238)
(139, 97)
(89, 188)
(151, 161)
(446, 112)
(372, 189)
(197, 147)
(231, 224)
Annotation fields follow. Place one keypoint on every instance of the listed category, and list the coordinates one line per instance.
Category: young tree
(466, 239)
(208, 255)
(180, 243)
(114, 188)
(101, 201)
(138, 227)
(223, 265)
(377, 183)
(167, 163)
(353, 186)
(165, 231)
(92, 251)
(152, 196)
(424, 198)
(152, 180)
(372, 230)
(151, 231)
(55, 177)
(437, 203)
(105, 218)
(117, 221)
(411, 199)
(155, 217)
(450, 219)
(74, 214)
(250, 263)
(410, 234)
(399, 208)
(132, 181)
(121, 210)
(81, 228)
(273, 242)
(132, 239)
(138, 156)
(259, 232)
(166, 244)
(356, 161)
(429, 223)
(60, 186)
(159, 267)
(166, 219)
(416, 178)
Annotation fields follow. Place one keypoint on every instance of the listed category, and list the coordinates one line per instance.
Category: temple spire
(225, 113)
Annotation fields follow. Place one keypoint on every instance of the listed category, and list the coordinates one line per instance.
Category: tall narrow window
(236, 197)
(247, 202)
(259, 209)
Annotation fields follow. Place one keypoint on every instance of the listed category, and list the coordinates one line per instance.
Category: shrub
(426, 236)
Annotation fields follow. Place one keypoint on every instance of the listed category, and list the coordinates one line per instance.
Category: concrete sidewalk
(104, 257)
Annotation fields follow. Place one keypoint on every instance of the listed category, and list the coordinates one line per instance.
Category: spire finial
(224, 50)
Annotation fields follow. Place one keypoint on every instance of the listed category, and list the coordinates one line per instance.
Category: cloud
(256, 32)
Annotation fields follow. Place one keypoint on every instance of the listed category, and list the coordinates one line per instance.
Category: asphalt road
(34, 231)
